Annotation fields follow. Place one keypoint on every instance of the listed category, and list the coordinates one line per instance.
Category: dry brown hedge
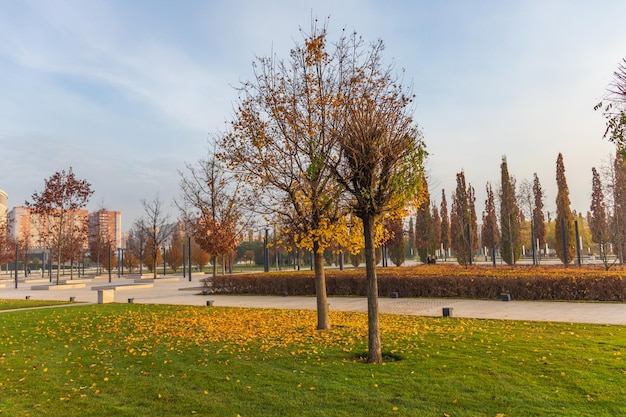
(522, 283)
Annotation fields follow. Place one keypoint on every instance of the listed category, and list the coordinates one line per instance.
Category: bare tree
(155, 223)
(614, 108)
(211, 206)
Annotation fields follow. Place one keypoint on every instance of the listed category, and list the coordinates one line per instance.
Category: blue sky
(126, 92)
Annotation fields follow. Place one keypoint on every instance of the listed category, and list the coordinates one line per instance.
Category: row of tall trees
(514, 216)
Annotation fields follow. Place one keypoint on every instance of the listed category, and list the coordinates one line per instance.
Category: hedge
(522, 283)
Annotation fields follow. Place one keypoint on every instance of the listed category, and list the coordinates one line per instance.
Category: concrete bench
(123, 287)
(76, 281)
(154, 281)
(60, 287)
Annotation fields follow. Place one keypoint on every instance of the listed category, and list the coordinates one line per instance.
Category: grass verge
(9, 304)
(154, 360)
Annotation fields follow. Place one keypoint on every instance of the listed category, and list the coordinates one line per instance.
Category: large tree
(380, 156)
(62, 197)
(510, 245)
(564, 233)
(282, 139)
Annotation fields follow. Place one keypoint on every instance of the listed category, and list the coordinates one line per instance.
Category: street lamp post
(266, 256)
(110, 263)
(163, 260)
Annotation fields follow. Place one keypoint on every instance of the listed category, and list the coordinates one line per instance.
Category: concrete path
(181, 291)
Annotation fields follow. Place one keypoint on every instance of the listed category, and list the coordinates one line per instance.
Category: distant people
(430, 260)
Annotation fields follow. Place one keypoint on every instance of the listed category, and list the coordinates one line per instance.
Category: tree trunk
(323, 322)
(154, 263)
(374, 354)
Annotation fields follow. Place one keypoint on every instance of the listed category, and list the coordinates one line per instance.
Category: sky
(126, 92)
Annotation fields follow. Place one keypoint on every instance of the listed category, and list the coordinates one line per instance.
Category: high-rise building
(106, 225)
(3, 206)
(31, 228)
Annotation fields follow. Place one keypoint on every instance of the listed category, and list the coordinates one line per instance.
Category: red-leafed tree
(7, 246)
(57, 204)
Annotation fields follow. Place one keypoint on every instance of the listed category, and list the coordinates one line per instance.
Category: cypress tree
(471, 200)
(445, 223)
(564, 217)
(436, 229)
(618, 223)
(539, 226)
(598, 221)
(396, 245)
(411, 238)
(489, 231)
(424, 226)
(510, 246)
(460, 221)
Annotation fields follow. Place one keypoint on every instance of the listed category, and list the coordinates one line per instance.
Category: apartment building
(107, 225)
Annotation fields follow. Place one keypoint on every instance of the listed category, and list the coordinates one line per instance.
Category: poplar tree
(445, 223)
(490, 235)
(539, 226)
(510, 246)
(436, 229)
(564, 221)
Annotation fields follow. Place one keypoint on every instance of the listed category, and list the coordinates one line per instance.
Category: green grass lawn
(150, 360)
(7, 304)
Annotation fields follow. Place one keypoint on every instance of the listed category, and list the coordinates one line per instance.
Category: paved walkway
(181, 291)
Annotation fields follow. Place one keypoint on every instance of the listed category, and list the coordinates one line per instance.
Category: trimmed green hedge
(407, 283)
